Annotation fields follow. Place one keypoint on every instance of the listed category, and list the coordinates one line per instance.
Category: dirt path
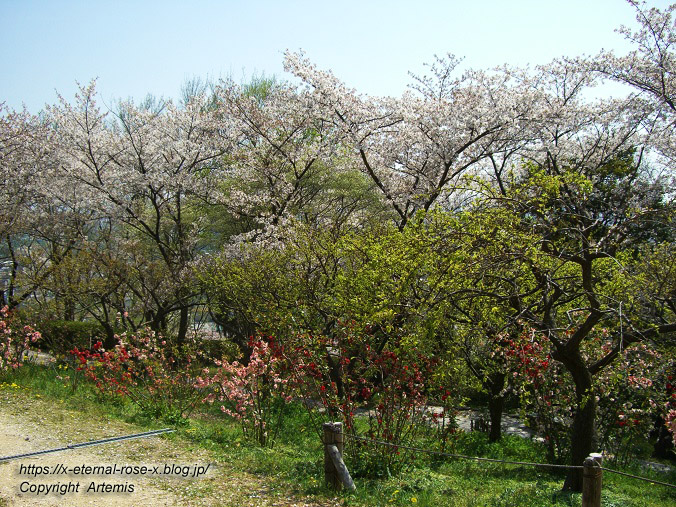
(29, 423)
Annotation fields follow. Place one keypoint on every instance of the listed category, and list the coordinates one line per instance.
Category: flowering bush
(15, 339)
(142, 369)
(670, 404)
(671, 423)
(391, 388)
(254, 393)
(629, 396)
(544, 390)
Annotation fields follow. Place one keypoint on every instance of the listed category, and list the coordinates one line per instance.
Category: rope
(639, 478)
(462, 456)
(88, 444)
(493, 460)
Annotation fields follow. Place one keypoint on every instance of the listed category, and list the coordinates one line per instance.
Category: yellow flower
(414, 500)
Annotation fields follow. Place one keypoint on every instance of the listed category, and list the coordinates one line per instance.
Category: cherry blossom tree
(24, 160)
(416, 148)
(284, 156)
(649, 70)
(148, 169)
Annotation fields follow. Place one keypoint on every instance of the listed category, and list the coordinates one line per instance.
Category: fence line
(88, 444)
(639, 478)
(494, 460)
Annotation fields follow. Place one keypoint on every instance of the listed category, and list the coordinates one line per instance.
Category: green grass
(295, 463)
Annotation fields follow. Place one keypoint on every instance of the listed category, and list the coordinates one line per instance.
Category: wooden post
(592, 476)
(333, 435)
(341, 470)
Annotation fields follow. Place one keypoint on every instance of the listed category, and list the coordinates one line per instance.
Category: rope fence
(495, 460)
(102, 441)
(338, 476)
(653, 481)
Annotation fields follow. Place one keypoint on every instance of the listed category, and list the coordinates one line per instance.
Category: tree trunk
(182, 326)
(158, 321)
(496, 404)
(68, 308)
(583, 432)
(663, 446)
(110, 341)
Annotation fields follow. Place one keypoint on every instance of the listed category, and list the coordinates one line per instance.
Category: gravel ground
(29, 423)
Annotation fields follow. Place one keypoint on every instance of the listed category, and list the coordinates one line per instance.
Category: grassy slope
(293, 468)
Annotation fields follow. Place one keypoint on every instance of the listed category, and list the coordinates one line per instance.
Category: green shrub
(217, 349)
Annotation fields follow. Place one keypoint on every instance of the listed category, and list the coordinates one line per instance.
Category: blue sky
(142, 46)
